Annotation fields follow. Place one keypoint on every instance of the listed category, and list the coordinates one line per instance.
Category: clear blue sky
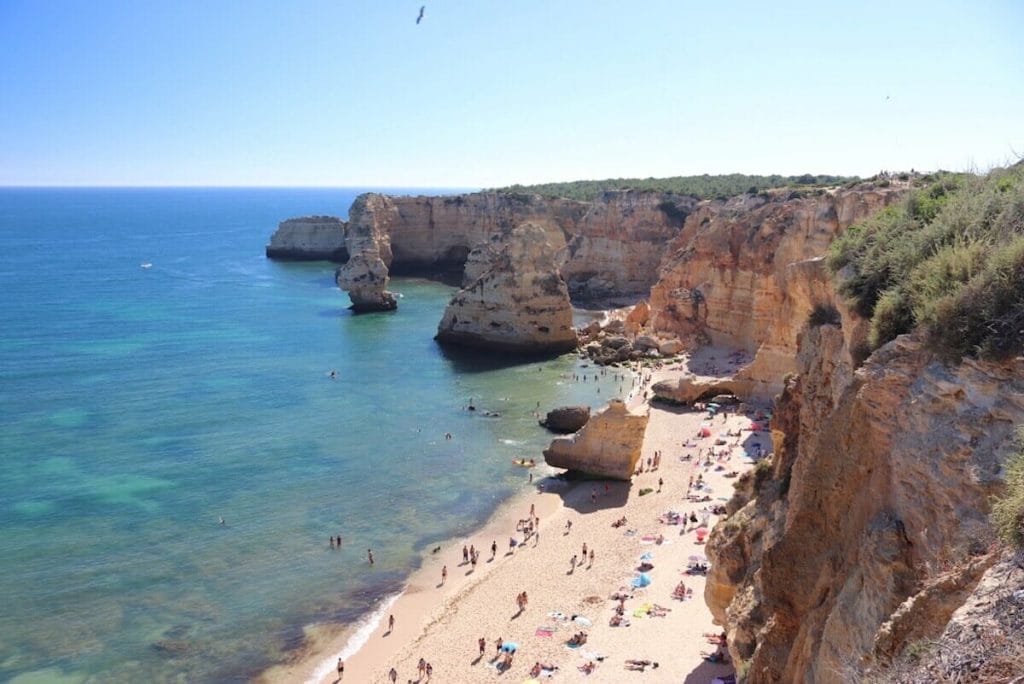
(481, 93)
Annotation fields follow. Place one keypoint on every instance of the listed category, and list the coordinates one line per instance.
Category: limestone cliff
(520, 303)
(310, 238)
(607, 446)
(365, 275)
(878, 490)
(613, 245)
(746, 273)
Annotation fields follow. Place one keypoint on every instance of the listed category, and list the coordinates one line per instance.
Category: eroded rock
(607, 446)
(520, 304)
(566, 419)
(365, 275)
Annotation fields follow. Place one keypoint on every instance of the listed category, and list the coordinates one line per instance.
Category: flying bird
(420, 17)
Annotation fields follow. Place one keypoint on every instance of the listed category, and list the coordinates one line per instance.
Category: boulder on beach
(566, 419)
(607, 446)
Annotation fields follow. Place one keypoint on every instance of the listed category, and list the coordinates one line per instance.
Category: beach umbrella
(642, 580)
(509, 647)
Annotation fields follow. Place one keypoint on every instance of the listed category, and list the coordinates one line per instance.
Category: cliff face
(607, 446)
(879, 489)
(519, 303)
(365, 275)
(617, 245)
(613, 245)
(310, 238)
(746, 273)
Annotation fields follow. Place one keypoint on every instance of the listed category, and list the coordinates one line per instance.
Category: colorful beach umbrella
(509, 647)
(641, 580)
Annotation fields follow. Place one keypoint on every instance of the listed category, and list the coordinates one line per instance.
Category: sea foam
(364, 629)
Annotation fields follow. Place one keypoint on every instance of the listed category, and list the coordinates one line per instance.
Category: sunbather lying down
(539, 667)
(618, 621)
(587, 668)
(640, 665)
(578, 639)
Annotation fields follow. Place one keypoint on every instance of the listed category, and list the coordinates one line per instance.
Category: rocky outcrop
(981, 642)
(746, 272)
(365, 275)
(607, 446)
(880, 483)
(566, 419)
(520, 304)
(310, 238)
(690, 388)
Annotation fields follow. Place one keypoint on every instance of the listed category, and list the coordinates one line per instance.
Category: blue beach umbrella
(509, 647)
(641, 580)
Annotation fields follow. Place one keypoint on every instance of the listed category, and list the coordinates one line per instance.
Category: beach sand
(442, 624)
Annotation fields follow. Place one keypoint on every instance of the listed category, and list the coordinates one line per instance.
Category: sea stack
(519, 304)
(365, 275)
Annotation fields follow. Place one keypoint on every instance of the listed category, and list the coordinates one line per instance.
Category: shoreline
(428, 614)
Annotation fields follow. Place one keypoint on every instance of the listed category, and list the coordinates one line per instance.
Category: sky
(484, 93)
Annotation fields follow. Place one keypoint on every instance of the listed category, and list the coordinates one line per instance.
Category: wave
(365, 628)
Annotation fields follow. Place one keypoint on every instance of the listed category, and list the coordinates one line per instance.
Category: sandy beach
(442, 623)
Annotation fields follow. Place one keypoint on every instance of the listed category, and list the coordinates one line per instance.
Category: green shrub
(949, 260)
(1008, 510)
(824, 314)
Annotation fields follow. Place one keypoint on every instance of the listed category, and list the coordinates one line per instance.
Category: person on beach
(494, 549)
(660, 483)
(444, 573)
(369, 555)
(572, 563)
(465, 555)
(482, 643)
(393, 675)
(568, 526)
(429, 669)
(584, 553)
(341, 668)
(421, 667)
(591, 558)
(391, 623)
(498, 644)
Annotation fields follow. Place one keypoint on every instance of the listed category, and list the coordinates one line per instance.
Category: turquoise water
(139, 405)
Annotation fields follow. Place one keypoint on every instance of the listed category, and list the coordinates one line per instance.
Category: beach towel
(558, 615)
(544, 631)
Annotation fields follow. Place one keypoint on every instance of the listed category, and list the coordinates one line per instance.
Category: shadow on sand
(586, 495)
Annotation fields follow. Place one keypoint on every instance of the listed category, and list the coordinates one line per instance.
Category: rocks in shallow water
(519, 304)
(566, 419)
(607, 446)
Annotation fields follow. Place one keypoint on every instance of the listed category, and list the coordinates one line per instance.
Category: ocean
(158, 373)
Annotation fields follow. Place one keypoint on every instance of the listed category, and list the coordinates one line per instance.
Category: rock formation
(520, 304)
(617, 245)
(614, 244)
(365, 275)
(566, 419)
(878, 490)
(607, 446)
(310, 238)
(746, 273)
(690, 388)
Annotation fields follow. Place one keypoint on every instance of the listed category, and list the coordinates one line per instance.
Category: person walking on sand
(421, 667)
(444, 573)
(572, 563)
(494, 549)
(660, 483)
(482, 643)
(391, 623)
(465, 555)
(568, 526)
(393, 675)
(591, 558)
(341, 669)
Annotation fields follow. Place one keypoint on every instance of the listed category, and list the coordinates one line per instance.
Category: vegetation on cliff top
(701, 187)
(948, 260)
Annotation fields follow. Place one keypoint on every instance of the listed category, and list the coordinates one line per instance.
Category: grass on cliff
(1008, 510)
(948, 260)
(701, 187)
